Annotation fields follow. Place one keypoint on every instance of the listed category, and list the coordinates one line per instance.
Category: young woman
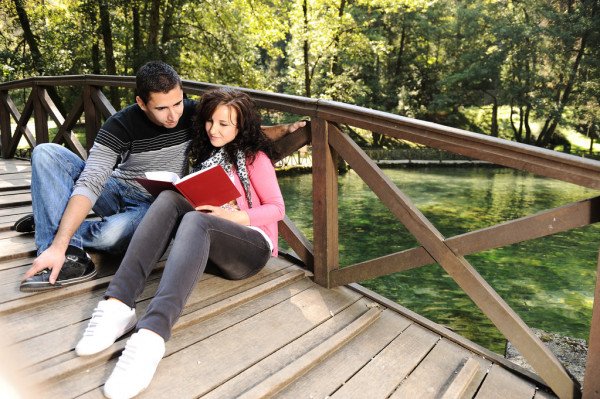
(236, 239)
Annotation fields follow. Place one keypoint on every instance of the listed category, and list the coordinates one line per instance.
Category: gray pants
(233, 250)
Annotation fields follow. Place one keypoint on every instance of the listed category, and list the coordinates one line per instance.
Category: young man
(152, 134)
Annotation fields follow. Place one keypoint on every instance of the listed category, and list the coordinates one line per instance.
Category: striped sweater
(129, 144)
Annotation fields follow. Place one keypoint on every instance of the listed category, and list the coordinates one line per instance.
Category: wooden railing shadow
(329, 144)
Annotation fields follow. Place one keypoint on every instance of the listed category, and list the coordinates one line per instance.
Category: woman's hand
(228, 212)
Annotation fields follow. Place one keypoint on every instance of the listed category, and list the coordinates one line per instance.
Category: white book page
(162, 176)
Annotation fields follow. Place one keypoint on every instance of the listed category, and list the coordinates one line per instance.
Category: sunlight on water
(549, 281)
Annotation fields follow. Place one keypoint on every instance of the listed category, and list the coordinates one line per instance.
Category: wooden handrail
(471, 282)
(329, 144)
(591, 382)
(545, 223)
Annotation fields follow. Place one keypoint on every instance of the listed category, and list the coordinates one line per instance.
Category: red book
(210, 186)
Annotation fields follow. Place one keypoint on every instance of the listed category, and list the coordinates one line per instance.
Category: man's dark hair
(155, 77)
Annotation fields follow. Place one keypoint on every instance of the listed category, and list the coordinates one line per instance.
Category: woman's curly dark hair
(250, 138)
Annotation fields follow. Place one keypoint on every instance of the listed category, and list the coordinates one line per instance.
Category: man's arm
(276, 132)
(53, 257)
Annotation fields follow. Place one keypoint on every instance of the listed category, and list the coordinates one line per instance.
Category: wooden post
(92, 116)
(4, 125)
(325, 204)
(591, 382)
(40, 115)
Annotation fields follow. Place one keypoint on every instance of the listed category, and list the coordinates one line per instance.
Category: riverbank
(291, 169)
(572, 352)
(431, 162)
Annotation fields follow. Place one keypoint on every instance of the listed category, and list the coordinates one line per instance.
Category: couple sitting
(159, 132)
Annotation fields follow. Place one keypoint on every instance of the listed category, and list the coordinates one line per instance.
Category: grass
(481, 116)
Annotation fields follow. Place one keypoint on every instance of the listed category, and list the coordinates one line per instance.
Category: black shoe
(78, 267)
(24, 225)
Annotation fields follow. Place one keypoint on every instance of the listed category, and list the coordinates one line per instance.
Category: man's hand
(276, 132)
(292, 127)
(52, 258)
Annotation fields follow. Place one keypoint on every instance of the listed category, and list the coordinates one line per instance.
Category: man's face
(163, 109)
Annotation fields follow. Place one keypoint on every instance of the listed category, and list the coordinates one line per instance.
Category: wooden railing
(329, 143)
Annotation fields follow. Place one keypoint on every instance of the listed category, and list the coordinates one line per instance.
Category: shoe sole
(111, 397)
(46, 286)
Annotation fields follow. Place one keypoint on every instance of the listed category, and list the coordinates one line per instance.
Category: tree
(478, 54)
(549, 47)
(569, 33)
(38, 60)
(422, 59)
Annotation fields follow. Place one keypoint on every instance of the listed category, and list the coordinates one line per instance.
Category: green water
(549, 281)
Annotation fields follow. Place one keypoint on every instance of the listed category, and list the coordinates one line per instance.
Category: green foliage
(429, 60)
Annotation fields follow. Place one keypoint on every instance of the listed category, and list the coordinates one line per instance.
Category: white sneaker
(136, 366)
(109, 321)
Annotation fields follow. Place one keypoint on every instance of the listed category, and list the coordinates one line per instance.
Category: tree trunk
(528, 139)
(494, 128)
(336, 68)
(137, 37)
(169, 40)
(400, 55)
(109, 54)
(89, 8)
(394, 71)
(518, 133)
(36, 55)
(307, 92)
(554, 119)
(590, 134)
(153, 28)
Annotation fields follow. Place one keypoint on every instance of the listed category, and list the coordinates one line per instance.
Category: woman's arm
(264, 181)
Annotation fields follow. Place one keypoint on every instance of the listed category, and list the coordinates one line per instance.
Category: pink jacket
(267, 202)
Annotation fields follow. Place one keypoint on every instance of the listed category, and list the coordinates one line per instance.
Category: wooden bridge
(302, 327)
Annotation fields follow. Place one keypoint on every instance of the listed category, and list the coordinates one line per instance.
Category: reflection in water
(549, 282)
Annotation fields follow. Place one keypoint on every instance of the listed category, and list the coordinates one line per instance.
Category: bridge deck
(276, 334)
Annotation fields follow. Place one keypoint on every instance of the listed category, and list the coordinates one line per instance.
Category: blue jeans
(201, 241)
(121, 206)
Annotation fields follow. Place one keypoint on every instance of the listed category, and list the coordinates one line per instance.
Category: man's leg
(54, 170)
(121, 207)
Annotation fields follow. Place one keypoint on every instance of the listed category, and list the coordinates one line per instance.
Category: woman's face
(220, 127)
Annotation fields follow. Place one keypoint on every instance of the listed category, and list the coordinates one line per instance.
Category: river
(549, 281)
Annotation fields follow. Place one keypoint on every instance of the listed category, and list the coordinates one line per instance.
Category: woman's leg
(239, 251)
(236, 250)
(113, 318)
(148, 243)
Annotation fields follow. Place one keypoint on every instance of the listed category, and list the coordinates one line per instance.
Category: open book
(210, 186)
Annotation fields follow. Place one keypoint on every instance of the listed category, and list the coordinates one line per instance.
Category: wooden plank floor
(276, 334)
